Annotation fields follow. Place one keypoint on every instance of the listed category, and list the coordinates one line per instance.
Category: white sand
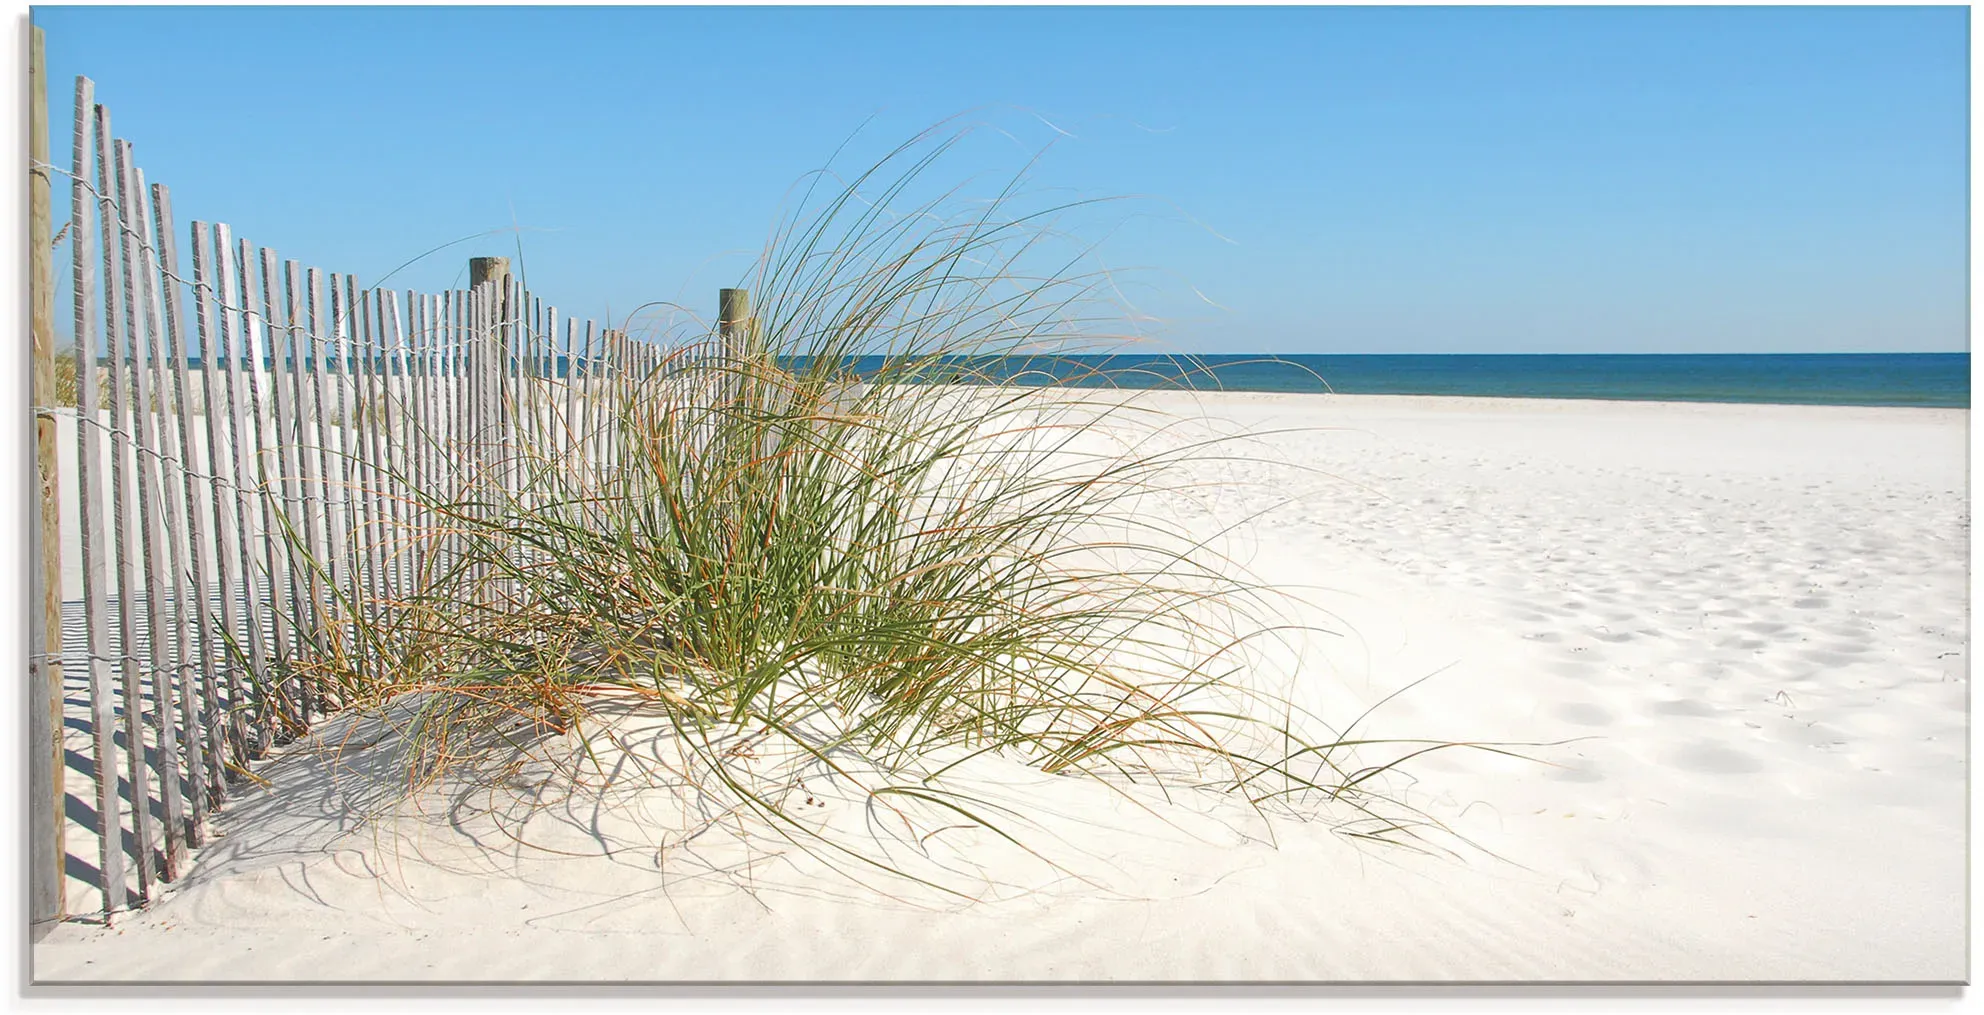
(1756, 615)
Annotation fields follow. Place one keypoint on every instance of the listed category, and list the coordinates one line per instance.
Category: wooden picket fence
(255, 448)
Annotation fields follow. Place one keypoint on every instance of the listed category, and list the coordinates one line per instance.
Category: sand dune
(1749, 621)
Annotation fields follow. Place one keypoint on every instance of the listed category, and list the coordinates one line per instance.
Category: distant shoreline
(1533, 404)
(1888, 380)
(1900, 380)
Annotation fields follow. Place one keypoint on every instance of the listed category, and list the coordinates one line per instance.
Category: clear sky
(1331, 180)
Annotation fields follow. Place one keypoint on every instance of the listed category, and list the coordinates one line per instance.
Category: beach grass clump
(823, 542)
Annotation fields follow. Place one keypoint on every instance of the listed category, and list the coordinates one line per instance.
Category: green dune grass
(879, 577)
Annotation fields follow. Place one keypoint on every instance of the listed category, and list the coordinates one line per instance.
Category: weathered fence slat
(588, 445)
(394, 427)
(189, 543)
(390, 418)
(434, 387)
(476, 343)
(312, 479)
(288, 511)
(371, 403)
(90, 452)
(329, 485)
(523, 370)
(273, 561)
(566, 355)
(456, 386)
(118, 321)
(305, 493)
(144, 410)
(363, 491)
(178, 749)
(242, 364)
(543, 377)
(223, 501)
(439, 461)
(349, 498)
(416, 442)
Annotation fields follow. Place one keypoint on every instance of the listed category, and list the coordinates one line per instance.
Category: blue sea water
(1894, 379)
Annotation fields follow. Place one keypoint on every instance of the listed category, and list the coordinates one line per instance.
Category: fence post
(733, 329)
(490, 276)
(47, 893)
(490, 269)
(733, 318)
(492, 356)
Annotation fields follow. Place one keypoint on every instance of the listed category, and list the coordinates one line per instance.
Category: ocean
(1893, 379)
(1940, 380)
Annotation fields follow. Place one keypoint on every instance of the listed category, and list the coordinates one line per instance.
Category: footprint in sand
(1684, 706)
(1584, 714)
(1714, 758)
(1575, 770)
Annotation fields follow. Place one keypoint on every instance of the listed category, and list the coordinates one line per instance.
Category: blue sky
(1301, 180)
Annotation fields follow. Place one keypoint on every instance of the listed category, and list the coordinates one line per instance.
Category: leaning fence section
(263, 454)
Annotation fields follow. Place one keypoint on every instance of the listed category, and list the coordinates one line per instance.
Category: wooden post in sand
(491, 357)
(733, 329)
(47, 896)
(733, 313)
(490, 276)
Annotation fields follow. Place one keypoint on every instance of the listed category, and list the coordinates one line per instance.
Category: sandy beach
(1743, 627)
